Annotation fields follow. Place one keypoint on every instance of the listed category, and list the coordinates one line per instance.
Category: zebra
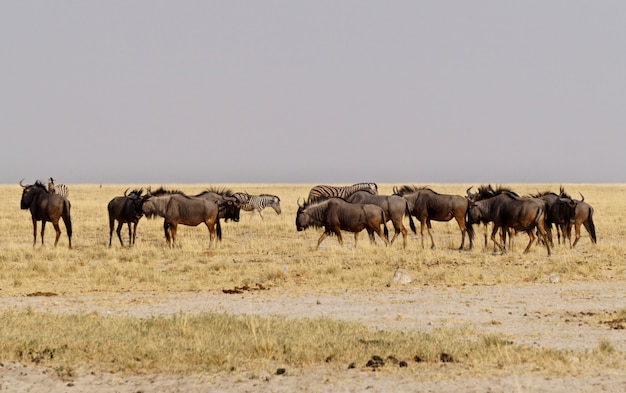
(322, 192)
(60, 189)
(258, 202)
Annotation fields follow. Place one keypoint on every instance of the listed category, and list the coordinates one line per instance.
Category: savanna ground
(266, 311)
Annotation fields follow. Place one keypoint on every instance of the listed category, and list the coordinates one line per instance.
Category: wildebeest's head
(474, 212)
(229, 208)
(302, 219)
(311, 215)
(138, 200)
(29, 193)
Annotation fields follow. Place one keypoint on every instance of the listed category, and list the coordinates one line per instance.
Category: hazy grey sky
(149, 92)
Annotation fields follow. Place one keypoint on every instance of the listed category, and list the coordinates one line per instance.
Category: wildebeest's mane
(406, 189)
(504, 190)
(563, 193)
(39, 184)
(223, 191)
(163, 191)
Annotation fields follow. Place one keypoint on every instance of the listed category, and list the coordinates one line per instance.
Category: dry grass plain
(195, 319)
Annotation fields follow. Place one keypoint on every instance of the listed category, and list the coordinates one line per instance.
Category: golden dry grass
(272, 252)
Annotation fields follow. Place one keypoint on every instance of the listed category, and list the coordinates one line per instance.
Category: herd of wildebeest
(335, 209)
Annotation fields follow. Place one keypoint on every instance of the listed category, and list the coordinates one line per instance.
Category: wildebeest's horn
(299, 204)
(21, 181)
(582, 196)
(469, 194)
(126, 191)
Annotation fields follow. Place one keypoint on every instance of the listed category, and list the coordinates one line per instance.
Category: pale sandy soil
(549, 315)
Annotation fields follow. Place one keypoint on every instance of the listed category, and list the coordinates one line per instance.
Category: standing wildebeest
(335, 215)
(46, 207)
(582, 216)
(321, 192)
(394, 207)
(258, 202)
(426, 205)
(126, 209)
(560, 210)
(485, 192)
(509, 211)
(178, 208)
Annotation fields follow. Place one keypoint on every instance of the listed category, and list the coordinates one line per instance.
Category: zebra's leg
(260, 210)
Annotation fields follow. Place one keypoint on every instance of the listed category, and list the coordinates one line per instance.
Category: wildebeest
(177, 208)
(46, 207)
(126, 209)
(508, 210)
(336, 214)
(322, 192)
(560, 210)
(258, 202)
(229, 205)
(582, 216)
(485, 192)
(394, 207)
(426, 205)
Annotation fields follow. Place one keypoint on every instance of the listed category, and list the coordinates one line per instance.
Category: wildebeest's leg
(43, 228)
(461, 222)
(531, 237)
(542, 232)
(173, 228)
(55, 224)
(320, 240)
(432, 240)
(422, 225)
(119, 232)
(576, 230)
(135, 232)
(166, 229)
(111, 225)
(370, 234)
(494, 231)
(212, 235)
(130, 235)
(35, 232)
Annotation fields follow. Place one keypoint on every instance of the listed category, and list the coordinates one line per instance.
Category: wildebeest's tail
(470, 231)
(67, 220)
(408, 213)
(591, 227)
(385, 230)
(219, 229)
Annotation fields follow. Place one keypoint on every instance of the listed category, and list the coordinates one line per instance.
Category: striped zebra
(258, 202)
(322, 192)
(60, 189)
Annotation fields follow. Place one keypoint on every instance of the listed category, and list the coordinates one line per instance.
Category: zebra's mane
(270, 195)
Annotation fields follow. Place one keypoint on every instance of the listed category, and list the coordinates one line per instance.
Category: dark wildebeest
(426, 205)
(394, 207)
(582, 216)
(560, 210)
(485, 192)
(323, 192)
(336, 214)
(257, 203)
(126, 209)
(46, 207)
(177, 208)
(507, 210)
(228, 204)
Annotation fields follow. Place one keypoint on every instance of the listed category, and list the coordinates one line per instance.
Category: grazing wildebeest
(126, 209)
(509, 211)
(582, 216)
(394, 207)
(336, 214)
(322, 192)
(560, 210)
(46, 207)
(229, 206)
(177, 208)
(426, 205)
(258, 202)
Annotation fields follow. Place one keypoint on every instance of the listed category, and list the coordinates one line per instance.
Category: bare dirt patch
(576, 316)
